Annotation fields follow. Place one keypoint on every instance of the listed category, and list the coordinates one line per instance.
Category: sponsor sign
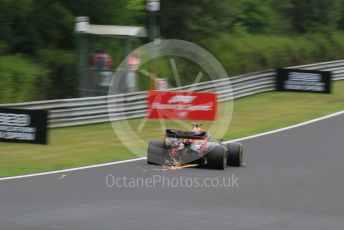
(26, 126)
(303, 80)
(182, 105)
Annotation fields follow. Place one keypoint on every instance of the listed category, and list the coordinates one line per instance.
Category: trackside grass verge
(93, 144)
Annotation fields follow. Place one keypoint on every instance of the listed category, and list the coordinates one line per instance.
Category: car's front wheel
(235, 154)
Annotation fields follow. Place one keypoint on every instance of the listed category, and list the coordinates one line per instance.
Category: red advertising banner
(182, 105)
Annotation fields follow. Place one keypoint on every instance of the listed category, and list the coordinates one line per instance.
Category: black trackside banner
(303, 80)
(24, 126)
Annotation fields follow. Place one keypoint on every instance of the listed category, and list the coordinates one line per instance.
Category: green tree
(112, 12)
(341, 20)
(16, 30)
(257, 16)
(312, 15)
(197, 19)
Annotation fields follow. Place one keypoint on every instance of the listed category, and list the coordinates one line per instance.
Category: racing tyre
(234, 154)
(156, 153)
(217, 158)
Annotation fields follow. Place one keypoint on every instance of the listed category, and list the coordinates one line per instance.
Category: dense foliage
(37, 42)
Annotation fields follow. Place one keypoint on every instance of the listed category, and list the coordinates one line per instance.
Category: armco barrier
(79, 111)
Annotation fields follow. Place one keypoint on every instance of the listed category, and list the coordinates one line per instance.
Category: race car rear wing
(186, 134)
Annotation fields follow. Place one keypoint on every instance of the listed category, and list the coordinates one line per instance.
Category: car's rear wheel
(235, 155)
(216, 158)
(156, 153)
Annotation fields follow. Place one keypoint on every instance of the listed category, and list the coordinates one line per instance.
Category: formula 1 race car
(190, 147)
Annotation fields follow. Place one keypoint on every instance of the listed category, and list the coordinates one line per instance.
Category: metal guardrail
(79, 111)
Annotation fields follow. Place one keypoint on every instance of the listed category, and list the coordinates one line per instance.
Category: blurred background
(40, 51)
(45, 55)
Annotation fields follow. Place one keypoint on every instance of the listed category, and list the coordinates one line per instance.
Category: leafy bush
(62, 79)
(21, 79)
(247, 53)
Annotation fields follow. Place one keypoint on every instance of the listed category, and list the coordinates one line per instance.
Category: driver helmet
(196, 127)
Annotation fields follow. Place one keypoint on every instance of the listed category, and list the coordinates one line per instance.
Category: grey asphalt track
(293, 180)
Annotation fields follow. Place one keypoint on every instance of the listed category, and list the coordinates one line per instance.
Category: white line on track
(72, 169)
(143, 158)
(289, 127)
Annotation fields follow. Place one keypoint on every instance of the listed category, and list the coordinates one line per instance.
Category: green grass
(92, 144)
